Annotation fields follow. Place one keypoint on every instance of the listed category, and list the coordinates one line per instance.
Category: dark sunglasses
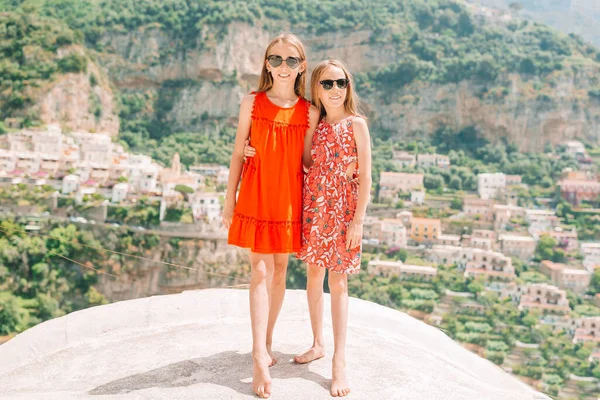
(276, 61)
(328, 83)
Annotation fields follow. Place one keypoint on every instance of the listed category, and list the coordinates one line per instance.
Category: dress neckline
(278, 106)
(338, 122)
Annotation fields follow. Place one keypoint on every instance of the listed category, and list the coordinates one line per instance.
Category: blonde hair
(351, 103)
(266, 80)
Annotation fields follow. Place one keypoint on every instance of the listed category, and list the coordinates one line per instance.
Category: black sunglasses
(276, 61)
(328, 83)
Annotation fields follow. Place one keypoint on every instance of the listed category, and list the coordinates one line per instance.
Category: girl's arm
(237, 158)
(363, 147)
(313, 120)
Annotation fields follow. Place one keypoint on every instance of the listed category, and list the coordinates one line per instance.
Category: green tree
(476, 286)
(457, 203)
(73, 63)
(595, 283)
(11, 314)
(397, 253)
(529, 320)
(455, 182)
(433, 182)
(465, 24)
(545, 247)
(184, 189)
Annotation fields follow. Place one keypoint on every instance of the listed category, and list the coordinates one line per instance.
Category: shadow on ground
(229, 369)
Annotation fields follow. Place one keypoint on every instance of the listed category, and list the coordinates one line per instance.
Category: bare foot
(339, 383)
(273, 359)
(261, 379)
(314, 353)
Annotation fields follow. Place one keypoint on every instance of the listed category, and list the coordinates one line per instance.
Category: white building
(443, 161)
(219, 174)
(401, 270)
(48, 142)
(591, 255)
(8, 161)
(522, 247)
(70, 184)
(405, 216)
(544, 297)
(148, 179)
(390, 183)
(446, 255)
(199, 180)
(404, 159)
(206, 169)
(119, 192)
(575, 148)
(490, 185)
(389, 232)
(94, 148)
(83, 191)
(448, 240)
(540, 221)
(223, 176)
(473, 261)
(504, 213)
(417, 197)
(393, 233)
(206, 206)
(427, 160)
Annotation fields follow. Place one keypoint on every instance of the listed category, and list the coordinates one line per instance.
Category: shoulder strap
(257, 104)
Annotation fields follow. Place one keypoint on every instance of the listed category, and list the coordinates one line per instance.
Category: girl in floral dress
(335, 198)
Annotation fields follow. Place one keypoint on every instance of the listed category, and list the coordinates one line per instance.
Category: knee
(279, 273)
(259, 272)
(337, 284)
(315, 272)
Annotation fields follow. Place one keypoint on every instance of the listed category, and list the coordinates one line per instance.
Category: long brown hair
(266, 80)
(351, 103)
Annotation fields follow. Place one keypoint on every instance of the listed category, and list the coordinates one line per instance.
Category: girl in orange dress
(266, 218)
(335, 200)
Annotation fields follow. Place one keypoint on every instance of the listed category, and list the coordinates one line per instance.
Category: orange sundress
(268, 213)
(330, 199)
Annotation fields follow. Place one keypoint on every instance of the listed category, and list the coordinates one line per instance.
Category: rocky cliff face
(207, 78)
(79, 101)
(529, 122)
(190, 81)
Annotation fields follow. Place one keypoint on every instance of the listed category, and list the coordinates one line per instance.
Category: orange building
(425, 230)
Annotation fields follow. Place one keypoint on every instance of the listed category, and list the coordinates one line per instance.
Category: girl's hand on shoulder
(354, 234)
(249, 151)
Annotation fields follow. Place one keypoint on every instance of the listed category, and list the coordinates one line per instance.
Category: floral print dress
(329, 199)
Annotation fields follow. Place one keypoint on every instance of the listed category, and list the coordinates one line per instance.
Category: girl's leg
(314, 292)
(338, 287)
(276, 296)
(262, 267)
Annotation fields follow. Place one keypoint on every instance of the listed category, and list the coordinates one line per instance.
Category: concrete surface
(196, 345)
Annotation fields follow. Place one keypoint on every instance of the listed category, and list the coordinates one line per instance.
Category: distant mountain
(570, 16)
